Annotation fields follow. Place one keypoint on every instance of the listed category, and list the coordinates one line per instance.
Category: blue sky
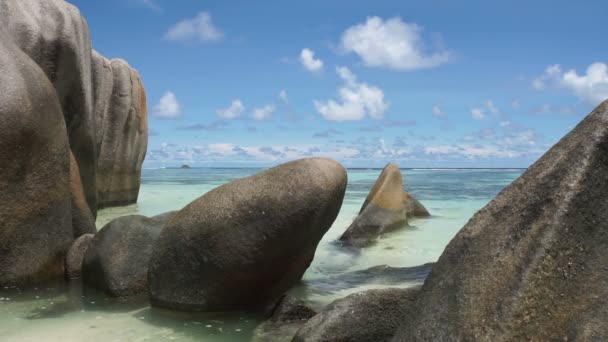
(425, 84)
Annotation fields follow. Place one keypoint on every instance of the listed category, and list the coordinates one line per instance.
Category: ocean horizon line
(348, 168)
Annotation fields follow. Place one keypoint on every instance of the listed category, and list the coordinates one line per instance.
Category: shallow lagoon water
(71, 313)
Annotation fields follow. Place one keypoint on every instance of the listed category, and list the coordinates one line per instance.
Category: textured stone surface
(73, 261)
(56, 37)
(531, 265)
(413, 207)
(82, 218)
(121, 116)
(35, 219)
(245, 243)
(369, 316)
(117, 259)
(103, 102)
(286, 318)
(382, 211)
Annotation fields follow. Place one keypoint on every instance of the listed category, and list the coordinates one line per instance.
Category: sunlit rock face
(531, 265)
(35, 202)
(103, 102)
(121, 116)
(386, 208)
(243, 244)
(55, 36)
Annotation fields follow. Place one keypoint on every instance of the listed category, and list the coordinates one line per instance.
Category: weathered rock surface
(245, 243)
(531, 265)
(73, 261)
(413, 207)
(35, 220)
(121, 116)
(369, 316)
(82, 218)
(117, 259)
(56, 37)
(104, 107)
(382, 211)
(286, 318)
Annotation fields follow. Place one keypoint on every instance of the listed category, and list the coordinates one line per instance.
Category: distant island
(185, 166)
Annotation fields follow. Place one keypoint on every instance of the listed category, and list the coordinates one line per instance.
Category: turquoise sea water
(69, 313)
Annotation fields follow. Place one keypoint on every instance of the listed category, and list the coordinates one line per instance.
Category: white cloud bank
(357, 100)
(393, 44)
(263, 113)
(167, 107)
(309, 62)
(234, 111)
(198, 29)
(591, 87)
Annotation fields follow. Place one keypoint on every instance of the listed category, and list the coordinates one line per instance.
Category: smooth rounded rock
(35, 211)
(116, 261)
(73, 261)
(243, 244)
(369, 316)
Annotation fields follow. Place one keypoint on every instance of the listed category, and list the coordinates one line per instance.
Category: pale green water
(69, 314)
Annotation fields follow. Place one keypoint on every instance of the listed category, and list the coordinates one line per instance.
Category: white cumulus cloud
(357, 100)
(234, 111)
(167, 107)
(308, 60)
(393, 44)
(263, 113)
(438, 111)
(478, 113)
(283, 96)
(198, 29)
(591, 87)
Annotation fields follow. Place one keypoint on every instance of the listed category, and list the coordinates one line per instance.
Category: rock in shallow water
(116, 261)
(286, 318)
(369, 316)
(245, 243)
(386, 208)
(73, 261)
(35, 210)
(531, 265)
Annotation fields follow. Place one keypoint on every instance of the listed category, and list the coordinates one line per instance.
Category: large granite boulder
(82, 218)
(245, 243)
(35, 210)
(286, 318)
(116, 261)
(369, 316)
(531, 265)
(56, 37)
(103, 102)
(73, 261)
(121, 116)
(383, 210)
